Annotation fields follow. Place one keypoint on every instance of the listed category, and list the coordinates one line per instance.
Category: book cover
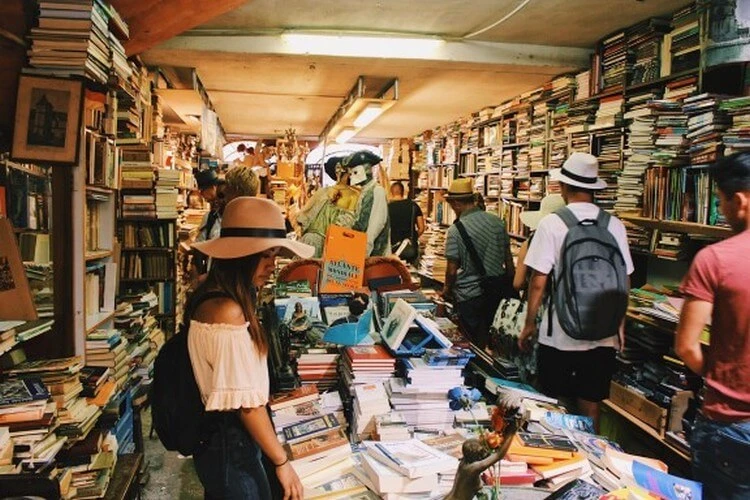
(317, 444)
(309, 428)
(665, 485)
(558, 467)
(546, 441)
(19, 391)
(554, 421)
(364, 354)
(297, 396)
(578, 490)
(411, 458)
(398, 323)
(518, 449)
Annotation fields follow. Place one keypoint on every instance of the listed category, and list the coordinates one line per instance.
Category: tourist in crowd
(475, 258)
(568, 367)
(210, 185)
(717, 286)
(228, 351)
(407, 223)
(531, 219)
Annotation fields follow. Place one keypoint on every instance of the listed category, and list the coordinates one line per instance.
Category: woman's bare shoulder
(220, 310)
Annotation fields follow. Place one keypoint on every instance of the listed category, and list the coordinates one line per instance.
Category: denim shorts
(721, 458)
(229, 463)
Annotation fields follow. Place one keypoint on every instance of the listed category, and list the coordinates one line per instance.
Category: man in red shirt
(718, 287)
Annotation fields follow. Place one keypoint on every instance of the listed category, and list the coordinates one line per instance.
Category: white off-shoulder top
(229, 370)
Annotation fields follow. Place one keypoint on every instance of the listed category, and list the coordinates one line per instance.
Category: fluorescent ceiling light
(363, 46)
(346, 134)
(367, 115)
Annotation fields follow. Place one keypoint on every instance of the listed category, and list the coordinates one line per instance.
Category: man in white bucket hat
(569, 365)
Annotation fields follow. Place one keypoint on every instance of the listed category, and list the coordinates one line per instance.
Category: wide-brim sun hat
(550, 204)
(580, 170)
(460, 189)
(252, 225)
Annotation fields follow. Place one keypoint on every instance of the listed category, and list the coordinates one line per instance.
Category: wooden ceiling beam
(152, 22)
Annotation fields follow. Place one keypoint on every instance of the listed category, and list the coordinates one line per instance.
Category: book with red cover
(294, 397)
(369, 355)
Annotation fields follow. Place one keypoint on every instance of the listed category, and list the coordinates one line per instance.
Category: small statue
(300, 321)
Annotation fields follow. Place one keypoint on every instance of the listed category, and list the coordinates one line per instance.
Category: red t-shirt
(720, 274)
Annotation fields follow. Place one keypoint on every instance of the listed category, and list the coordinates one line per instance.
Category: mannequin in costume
(372, 207)
(331, 205)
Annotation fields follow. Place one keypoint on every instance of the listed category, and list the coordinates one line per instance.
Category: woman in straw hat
(531, 219)
(228, 350)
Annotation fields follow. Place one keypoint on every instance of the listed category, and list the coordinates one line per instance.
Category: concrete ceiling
(260, 85)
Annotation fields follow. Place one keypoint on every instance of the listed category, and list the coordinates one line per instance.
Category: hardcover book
(297, 396)
(397, 324)
(411, 458)
(310, 428)
(317, 444)
(19, 391)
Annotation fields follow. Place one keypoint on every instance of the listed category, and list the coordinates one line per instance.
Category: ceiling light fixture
(346, 134)
(353, 45)
(368, 115)
(366, 101)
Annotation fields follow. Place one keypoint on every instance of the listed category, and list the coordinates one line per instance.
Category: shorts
(576, 374)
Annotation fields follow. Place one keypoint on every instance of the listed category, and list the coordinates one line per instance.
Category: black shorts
(576, 374)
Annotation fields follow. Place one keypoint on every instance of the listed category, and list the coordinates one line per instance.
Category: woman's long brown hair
(233, 278)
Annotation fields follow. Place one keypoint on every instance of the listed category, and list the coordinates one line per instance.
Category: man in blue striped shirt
(462, 279)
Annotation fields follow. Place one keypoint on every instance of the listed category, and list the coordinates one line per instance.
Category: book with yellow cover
(577, 461)
(517, 448)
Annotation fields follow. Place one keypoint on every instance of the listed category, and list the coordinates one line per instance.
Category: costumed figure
(331, 205)
(300, 321)
(372, 207)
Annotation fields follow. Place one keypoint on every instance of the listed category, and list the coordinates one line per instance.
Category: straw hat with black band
(579, 170)
(550, 204)
(252, 225)
(460, 190)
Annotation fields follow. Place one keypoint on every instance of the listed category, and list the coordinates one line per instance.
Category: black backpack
(177, 410)
(590, 290)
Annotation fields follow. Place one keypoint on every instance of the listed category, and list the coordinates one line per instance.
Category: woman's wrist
(281, 463)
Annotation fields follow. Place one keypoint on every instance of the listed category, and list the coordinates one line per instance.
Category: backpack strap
(471, 249)
(602, 220)
(567, 216)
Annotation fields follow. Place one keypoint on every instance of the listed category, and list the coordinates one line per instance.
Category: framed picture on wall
(48, 120)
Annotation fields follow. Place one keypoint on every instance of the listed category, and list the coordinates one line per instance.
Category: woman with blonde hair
(228, 350)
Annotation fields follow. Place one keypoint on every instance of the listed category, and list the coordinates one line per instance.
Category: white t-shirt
(544, 255)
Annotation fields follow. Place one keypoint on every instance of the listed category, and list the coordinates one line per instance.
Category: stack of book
(167, 181)
(684, 41)
(537, 136)
(680, 89)
(553, 458)
(644, 48)
(318, 369)
(423, 406)
(391, 427)
(737, 137)
(558, 137)
(109, 349)
(90, 463)
(315, 444)
(304, 403)
(706, 125)
(366, 364)
(609, 113)
(407, 467)
(40, 276)
(615, 65)
(72, 38)
(583, 85)
(137, 169)
(639, 238)
(561, 88)
(370, 400)
(640, 148)
(433, 263)
(523, 126)
(671, 246)
(97, 384)
(610, 150)
(580, 115)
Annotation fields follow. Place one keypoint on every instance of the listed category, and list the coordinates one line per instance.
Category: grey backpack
(590, 288)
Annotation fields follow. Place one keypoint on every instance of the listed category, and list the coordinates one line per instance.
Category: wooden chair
(302, 269)
(379, 268)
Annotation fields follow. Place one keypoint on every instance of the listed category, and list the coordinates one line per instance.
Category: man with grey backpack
(581, 265)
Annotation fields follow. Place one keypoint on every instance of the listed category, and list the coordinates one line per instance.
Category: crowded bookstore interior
(495, 249)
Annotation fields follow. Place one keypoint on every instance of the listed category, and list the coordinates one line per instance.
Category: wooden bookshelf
(95, 321)
(97, 255)
(650, 432)
(679, 226)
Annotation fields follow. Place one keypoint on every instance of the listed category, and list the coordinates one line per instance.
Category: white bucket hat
(550, 204)
(580, 170)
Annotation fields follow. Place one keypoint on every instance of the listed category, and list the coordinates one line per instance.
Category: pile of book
(737, 137)
(72, 38)
(558, 138)
(167, 181)
(583, 85)
(639, 237)
(706, 125)
(580, 115)
(537, 136)
(609, 149)
(684, 41)
(137, 169)
(424, 406)
(644, 47)
(433, 263)
(318, 369)
(609, 113)
(107, 348)
(89, 464)
(370, 400)
(615, 65)
(40, 276)
(407, 467)
(640, 148)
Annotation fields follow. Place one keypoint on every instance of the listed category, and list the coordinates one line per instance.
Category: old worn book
(317, 444)
(297, 396)
(310, 428)
(20, 391)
